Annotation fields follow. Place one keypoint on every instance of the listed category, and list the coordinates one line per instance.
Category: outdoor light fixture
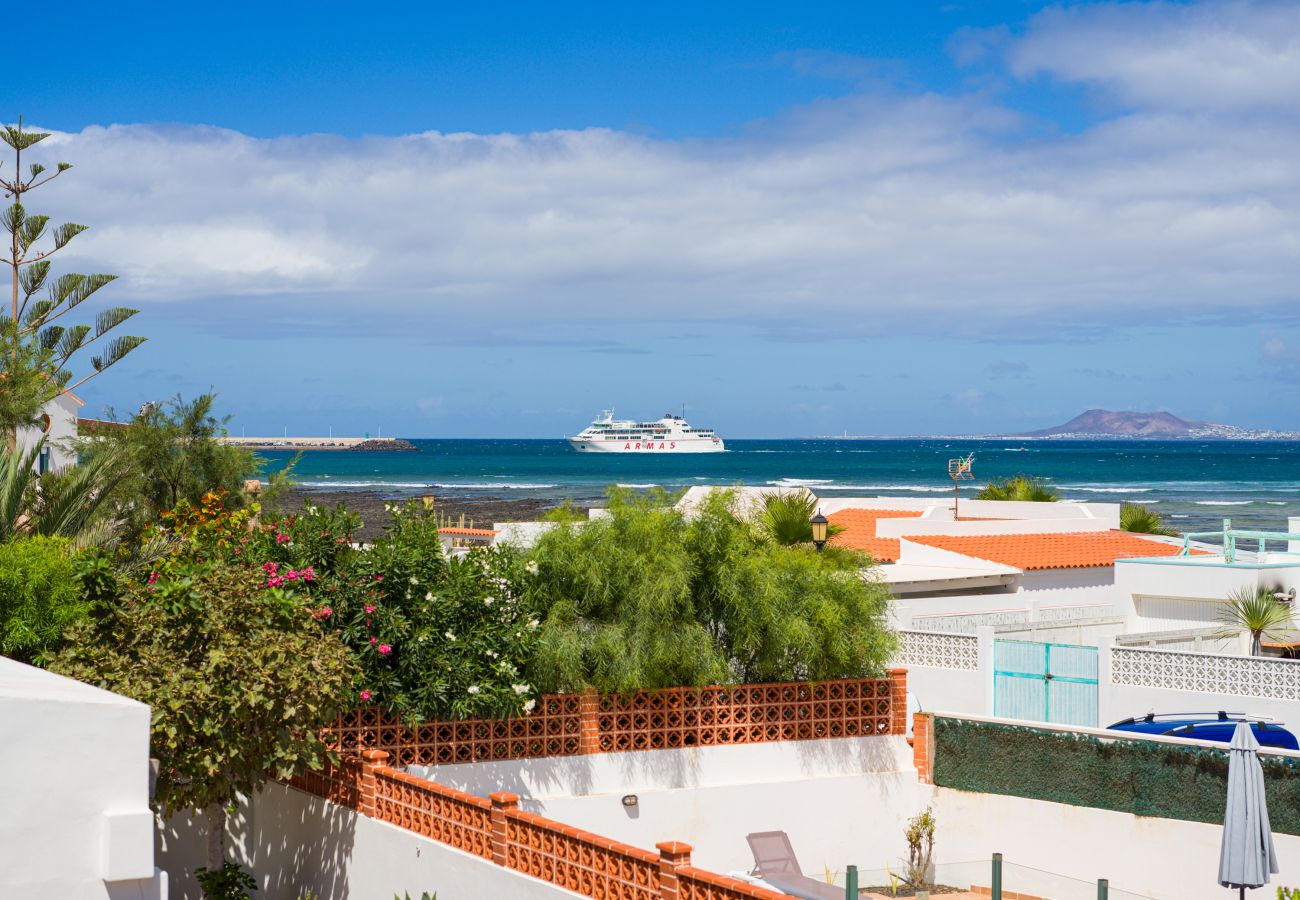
(629, 800)
(819, 527)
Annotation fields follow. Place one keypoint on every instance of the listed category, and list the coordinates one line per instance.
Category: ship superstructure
(668, 434)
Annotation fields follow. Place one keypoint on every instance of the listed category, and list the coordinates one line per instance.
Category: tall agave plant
(1256, 610)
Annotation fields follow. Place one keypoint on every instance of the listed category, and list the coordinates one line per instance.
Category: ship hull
(699, 445)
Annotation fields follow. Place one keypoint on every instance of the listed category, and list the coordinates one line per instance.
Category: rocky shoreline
(483, 512)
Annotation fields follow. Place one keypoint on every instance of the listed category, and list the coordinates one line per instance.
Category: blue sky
(879, 218)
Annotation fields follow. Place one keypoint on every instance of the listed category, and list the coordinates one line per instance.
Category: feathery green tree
(649, 597)
(36, 350)
(1020, 487)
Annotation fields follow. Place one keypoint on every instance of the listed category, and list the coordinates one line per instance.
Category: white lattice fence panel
(1246, 676)
(939, 651)
(966, 623)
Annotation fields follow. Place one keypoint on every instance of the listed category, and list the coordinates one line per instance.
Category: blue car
(1210, 727)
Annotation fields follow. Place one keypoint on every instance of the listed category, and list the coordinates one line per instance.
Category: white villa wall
(1164, 595)
(62, 411)
(833, 797)
(74, 776)
(295, 842)
(1153, 857)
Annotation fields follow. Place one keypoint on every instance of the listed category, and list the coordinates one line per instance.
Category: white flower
(531, 567)
(313, 511)
(490, 654)
(473, 688)
(487, 601)
(414, 580)
(533, 624)
(388, 507)
(521, 688)
(449, 636)
(530, 706)
(429, 596)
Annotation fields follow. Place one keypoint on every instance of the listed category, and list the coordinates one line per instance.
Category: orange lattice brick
(578, 860)
(444, 814)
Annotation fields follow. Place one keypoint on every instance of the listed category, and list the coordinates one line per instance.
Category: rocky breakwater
(384, 444)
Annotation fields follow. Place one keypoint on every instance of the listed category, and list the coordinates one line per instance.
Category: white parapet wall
(74, 778)
(836, 799)
(295, 843)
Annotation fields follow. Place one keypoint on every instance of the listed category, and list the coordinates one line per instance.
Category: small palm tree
(787, 518)
(1141, 519)
(56, 503)
(1256, 610)
(1020, 487)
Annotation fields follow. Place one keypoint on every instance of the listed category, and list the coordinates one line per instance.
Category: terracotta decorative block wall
(697, 884)
(574, 724)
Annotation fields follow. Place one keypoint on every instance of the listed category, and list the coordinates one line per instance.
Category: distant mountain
(1128, 424)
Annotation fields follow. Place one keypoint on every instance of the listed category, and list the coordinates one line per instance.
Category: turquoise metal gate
(1045, 682)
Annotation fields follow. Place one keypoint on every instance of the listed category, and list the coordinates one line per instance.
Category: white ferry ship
(669, 434)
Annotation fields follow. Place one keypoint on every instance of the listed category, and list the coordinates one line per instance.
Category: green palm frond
(1256, 610)
(1024, 488)
(17, 470)
(1141, 519)
(69, 500)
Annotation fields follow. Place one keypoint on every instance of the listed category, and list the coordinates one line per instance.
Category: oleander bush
(650, 598)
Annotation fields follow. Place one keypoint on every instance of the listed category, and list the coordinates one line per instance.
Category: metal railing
(1230, 535)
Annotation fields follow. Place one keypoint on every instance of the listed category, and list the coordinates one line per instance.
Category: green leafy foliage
(648, 598)
(40, 596)
(1020, 487)
(230, 882)
(239, 676)
(168, 454)
(434, 637)
(1141, 519)
(424, 896)
(919, 835)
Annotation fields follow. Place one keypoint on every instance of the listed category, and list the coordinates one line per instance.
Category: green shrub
(230, 882)
(40, 596)
(649, 598)
(1020, 487)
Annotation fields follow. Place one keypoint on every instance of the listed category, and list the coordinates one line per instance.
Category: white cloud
(1222, 56)
(881, 210)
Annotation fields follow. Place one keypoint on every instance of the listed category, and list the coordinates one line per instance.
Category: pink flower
(153, 576)
(308, 574)
(270, 567)
(291, 575)
(370, 608)
(282, 538)
(367, 623)
(365, 695)
(274, 581)
(384, 649)
(372, 640)
(379, 578)
(323, 613)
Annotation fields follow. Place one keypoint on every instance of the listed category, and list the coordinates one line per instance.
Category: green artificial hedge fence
(1146, 778)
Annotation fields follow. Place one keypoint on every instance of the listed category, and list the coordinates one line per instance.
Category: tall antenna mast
(959, 470)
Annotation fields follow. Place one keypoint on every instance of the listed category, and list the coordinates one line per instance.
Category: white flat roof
(24, 682)
(907, 573)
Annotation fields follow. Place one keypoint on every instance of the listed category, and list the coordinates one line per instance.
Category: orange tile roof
(1069, 550)
(860, 531)
(468, 532)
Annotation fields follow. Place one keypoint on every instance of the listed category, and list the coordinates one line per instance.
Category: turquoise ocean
(1195, 485)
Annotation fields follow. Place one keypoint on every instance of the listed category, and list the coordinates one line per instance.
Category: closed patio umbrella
(1246, 858)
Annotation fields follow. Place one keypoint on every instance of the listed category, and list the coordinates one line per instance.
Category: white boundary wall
(74, 779)
(296, 842)
(834, 798)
